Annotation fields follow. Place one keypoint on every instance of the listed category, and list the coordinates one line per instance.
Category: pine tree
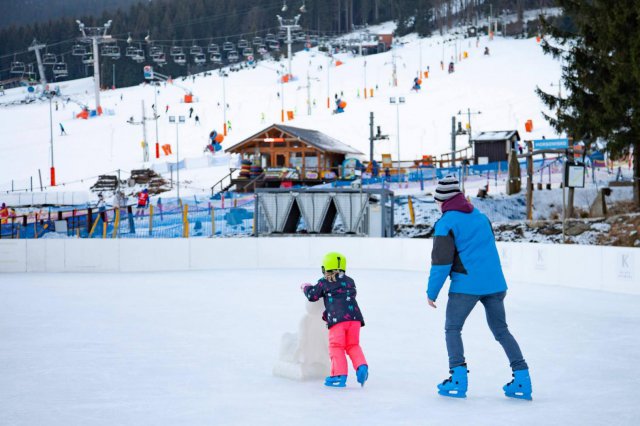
(601, 60)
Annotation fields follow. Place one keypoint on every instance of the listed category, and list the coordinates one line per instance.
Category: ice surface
(198, 348)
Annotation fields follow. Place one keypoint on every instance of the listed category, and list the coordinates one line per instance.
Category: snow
(198, 348)
(501, 86)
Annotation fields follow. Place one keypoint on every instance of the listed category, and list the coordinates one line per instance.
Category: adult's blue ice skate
(336, 381)
(362, 374)
(456, 385)
(520, 386)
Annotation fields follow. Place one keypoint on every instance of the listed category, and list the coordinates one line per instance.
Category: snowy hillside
(500, 85)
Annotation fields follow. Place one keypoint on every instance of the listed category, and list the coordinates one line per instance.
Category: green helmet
(333, 261)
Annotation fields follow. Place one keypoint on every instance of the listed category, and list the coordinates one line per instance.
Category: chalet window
(311, 162)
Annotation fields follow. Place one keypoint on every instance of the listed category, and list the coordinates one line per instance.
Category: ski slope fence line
(615, 269)
(155, 221)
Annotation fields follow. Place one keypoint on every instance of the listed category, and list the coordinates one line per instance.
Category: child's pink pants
(345, 337)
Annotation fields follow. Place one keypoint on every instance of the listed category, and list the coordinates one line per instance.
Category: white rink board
(589, 267)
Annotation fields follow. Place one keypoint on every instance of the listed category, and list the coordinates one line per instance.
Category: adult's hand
(432, 303)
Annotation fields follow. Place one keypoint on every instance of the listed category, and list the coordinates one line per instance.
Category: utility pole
(469, 114)
(95, 36)
(35, 47)
(289, 24)
(143, 120)
(453, 141)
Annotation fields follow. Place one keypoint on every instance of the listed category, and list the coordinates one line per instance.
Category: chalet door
(281, 160)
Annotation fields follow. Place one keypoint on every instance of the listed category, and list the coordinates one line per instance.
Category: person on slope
(343, 317)
(464, 249)
(143, 202)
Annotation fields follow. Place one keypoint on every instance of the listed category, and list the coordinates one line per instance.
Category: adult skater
(464, 248)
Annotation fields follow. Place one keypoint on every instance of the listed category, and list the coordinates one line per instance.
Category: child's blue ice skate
(336, 381)
(456, 385)
(362, 374)
(520, 386)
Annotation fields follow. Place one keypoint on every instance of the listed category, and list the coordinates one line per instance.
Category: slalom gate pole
(212, 212)
(116, 224)
(185, 221)
(412, 213)
(150, 218)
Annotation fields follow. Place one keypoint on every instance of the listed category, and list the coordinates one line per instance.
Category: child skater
(343, 318)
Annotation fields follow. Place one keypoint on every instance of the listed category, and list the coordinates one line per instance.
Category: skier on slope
(464, 249)
(343, 318)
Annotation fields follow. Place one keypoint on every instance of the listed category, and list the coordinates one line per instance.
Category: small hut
(489, 147)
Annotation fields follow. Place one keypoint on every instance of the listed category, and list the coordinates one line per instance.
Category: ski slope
(501, 86)
(198, 348)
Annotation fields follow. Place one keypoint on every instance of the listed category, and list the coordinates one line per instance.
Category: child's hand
(304, 286)
(432, 303)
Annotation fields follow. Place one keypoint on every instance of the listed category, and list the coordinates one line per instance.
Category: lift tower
(95, 36)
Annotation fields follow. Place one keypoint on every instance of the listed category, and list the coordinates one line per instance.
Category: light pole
(155, 114)
(365, 78)
(328, 80)
(180, 120)
(397, 102)
(53, 169)
(224, 75)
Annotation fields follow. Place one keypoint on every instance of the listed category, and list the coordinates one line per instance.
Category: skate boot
(456, 385)
(520, 386)
(336, 381)
(362, 374)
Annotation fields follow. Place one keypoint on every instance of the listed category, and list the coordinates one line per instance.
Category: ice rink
(198, 348)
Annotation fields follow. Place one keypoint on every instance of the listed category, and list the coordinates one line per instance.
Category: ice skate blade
(519, 396)
(335, 384)
(451, 394)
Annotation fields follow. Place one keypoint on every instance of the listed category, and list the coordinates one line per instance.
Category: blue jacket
(339, 298)
(464, 249)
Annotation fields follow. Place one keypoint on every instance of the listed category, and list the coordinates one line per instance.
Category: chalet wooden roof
(310, 137)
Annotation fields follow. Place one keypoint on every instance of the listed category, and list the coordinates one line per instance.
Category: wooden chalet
(291, 156)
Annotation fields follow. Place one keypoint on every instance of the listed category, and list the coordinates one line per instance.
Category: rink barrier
(614, 269)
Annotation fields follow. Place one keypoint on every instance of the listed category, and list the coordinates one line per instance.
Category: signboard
(148, 72)
(574, 175)
(550, 143)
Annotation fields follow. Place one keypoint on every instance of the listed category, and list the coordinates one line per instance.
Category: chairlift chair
(247, 51)
(199, 59)
(274, 45)
(78, 50)
(115, 52)
(30, 74)
(232, 56)
(160, 58)
(130, 52)
(155, 51)
(216, 58)
(17, 67)
(195, 50)
(49, 59)
(176, 50)
(60, 70)
(270, 37)
(227, 46)
(139, 56)
(242, 43)
(87, 59)
(213, 48)
(257, 41)
(180, 59)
